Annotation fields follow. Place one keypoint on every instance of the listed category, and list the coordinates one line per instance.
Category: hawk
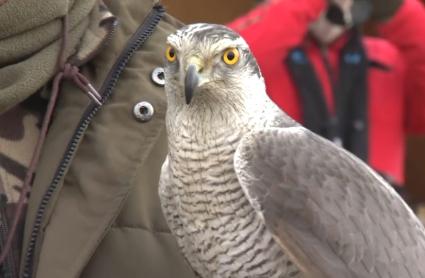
(248, 192)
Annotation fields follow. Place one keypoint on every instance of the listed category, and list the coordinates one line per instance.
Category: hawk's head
(207, 64)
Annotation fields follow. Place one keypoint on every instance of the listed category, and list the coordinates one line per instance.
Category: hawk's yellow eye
(170, 54)
(231, 56)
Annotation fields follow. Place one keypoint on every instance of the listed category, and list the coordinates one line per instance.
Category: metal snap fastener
(359, 125)
(158, 76)
(298, 57)
(353, 58)
(143, 111)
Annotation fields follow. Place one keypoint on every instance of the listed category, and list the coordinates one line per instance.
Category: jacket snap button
(143, 111)
(359, 125)
(158, 76)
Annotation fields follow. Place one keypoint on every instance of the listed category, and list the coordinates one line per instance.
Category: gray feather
(328, 210)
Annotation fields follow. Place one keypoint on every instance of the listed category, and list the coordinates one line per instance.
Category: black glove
(360, 13)
(362, 10)
(384, 9)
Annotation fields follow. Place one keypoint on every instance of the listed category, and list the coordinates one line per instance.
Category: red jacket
(396, 98)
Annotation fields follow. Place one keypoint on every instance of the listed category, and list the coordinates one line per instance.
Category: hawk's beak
(191, 82)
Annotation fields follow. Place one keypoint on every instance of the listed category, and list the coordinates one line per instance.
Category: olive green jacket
(94, 209)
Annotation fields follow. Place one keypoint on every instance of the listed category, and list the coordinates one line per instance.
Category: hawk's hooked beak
(191, 82)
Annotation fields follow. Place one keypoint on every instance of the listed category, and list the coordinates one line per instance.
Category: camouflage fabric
(18, 135)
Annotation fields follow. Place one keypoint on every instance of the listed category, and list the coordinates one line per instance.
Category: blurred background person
(363, 93)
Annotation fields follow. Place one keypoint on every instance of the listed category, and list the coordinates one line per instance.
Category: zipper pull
(73, 73)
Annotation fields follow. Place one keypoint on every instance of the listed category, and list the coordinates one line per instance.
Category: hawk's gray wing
(330, 212)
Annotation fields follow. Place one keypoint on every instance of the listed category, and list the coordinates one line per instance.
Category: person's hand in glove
(384, 9)
(361, 10)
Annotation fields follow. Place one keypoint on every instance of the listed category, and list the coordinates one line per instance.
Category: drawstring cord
(71, 72)
(66, 71)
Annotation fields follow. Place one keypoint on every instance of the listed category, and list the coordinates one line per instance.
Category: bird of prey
(248, 192)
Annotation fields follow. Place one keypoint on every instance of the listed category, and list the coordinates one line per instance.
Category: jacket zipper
(137, 40)
(9, 267)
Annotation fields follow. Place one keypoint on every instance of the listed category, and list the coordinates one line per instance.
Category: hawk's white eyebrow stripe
(215, 41)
